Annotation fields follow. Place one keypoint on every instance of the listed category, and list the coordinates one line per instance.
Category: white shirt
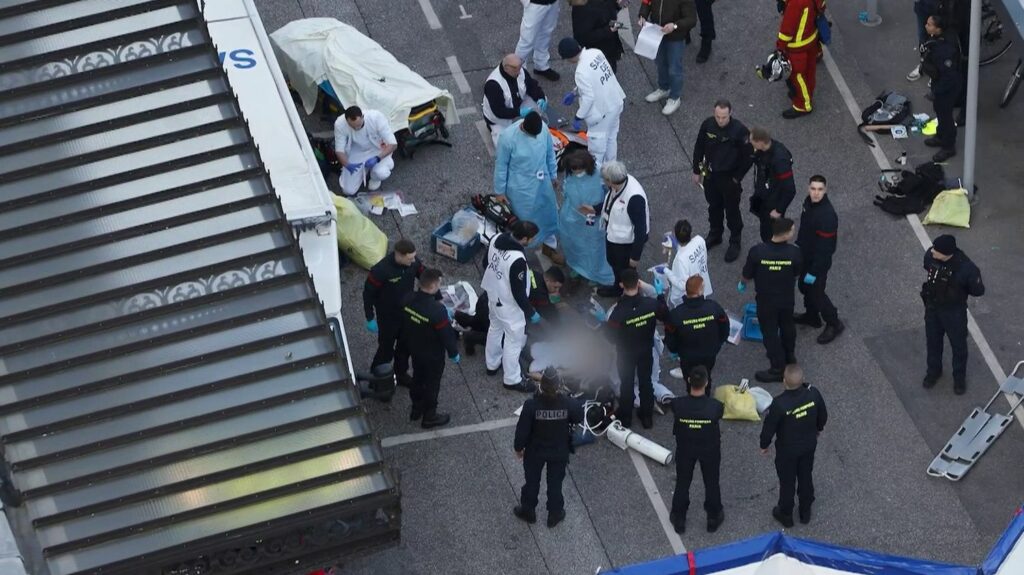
(366, 142)
(690, 260)
(599, 90)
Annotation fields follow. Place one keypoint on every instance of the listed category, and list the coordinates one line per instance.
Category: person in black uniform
(775, 266)
(631, 323)
(707, 29)
(774, 188)
(940, 61)
(544, 438)
(819, 226)
(722, 157)
(595, 25)
(794, 419)
(696, 329)
(698, 438)
(952, 276)
(427, 334)
(387, 284)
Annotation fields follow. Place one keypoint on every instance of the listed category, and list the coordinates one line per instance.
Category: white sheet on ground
(780, 564)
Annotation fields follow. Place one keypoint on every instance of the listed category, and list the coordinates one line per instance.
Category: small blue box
(461, 253)
(751, 327)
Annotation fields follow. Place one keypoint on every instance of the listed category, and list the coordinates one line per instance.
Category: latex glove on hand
(457, 359)
(569, 98)
(535, 318)
(371, 325)
(741, 287)
(543, 104)
(673, 356)
(524, 110)
(371, 162)
(353, 167)
(809, 279)
(659, 286)
(577, 125)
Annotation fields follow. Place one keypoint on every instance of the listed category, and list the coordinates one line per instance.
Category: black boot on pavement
(930, 380)
(415, 414)
(471, 339)
(732, 252)
(805, 516)
(548, 74)
(527, 516)
(785, 520)
(768, 375)
(715, 521)
(959, 387)
(556, 517)
(943, 155)
(714, 238)
(791, 114)
(522, 387)
(807, 319)
(434, 419)
(831, 332)
(678, 522)
(705, 50)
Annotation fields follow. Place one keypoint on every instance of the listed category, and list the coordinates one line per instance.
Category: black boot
(807, 319)
(678, 521)
(785, 520)
(715, 521)
(555, 517)
(527, 516)
(434, 419)
(732, 252)
(768, 375)
(714, 238)
(705, 50)
(471, 339)
(831, 332)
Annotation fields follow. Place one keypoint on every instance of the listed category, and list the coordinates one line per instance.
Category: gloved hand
(577, 125)
(673, 356)
(741, 287)
(457, 359)
(659, 286)
(524, 110)
(451, 314)
(371, 325)
(569, 98)
(599, 315)
(535, 318)
(809, 279)
(352, 167)
(543, 104)
(371, 162)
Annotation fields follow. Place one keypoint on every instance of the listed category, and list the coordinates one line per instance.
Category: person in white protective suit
(364, 143)
(539, 20)
(691, 259)
(525, 172)
(510, 92)
(507, 283)
(601, 99)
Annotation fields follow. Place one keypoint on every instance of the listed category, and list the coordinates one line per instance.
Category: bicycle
(993, 47)
(1012, 84)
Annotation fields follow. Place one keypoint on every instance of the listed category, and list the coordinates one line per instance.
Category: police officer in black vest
(387, 284)
(698, 439)
(940, 61)
(428, 335)
(952, 276)
(818, 237)
(774, 188)
(794, 419)
(696, 329)
(775, 266)
(722, 157)
(544, 439)
(632, 324)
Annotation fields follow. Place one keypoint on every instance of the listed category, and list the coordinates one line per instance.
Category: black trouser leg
(710, 466)
(768, 318)
(716, 205)
(954, 322)
(765, 220)
(415, 388)
(946, 130)
(627, 364)
(787, 329)
(556, 474)
(723, 197)
(934, 334)
(707, 19)
(684, 476)
(532, 468)
(786, 469)
(805, 481)
(818, 300)
(426, 377)
(618, 258)
(644, 371)
(613, 62)
(387, 341)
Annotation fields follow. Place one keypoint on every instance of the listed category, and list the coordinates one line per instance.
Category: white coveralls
(506, 335)
(690, 260)
(601, 100)
(361, 145)
(539, 21)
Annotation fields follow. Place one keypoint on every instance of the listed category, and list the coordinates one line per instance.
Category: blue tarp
(1005, 543)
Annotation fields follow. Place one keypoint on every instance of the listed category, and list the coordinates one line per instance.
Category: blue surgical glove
(371, 162)
(809, 279)
(352, 167)
(599, 315)
(371, 325)
(741, 287)
(659, 286)
(524, 110)
(569, 98)
(543, 104)
(673, 356)
(457, 359)
(535, 318)
(577, 124)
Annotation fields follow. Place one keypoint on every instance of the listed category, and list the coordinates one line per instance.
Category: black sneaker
(805, 516)
(807, 319)
(548, 74)
(715, 521)
(933, 142)
(831, 332)
(959, 387)
(785, 520)
(554, 518)
(435, 420)
(732, 252)
(930, 380)
(768, 375)
(522, 387)
(678, 522)
(527, 516)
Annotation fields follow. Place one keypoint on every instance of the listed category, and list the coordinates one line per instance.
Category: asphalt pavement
(458, 491)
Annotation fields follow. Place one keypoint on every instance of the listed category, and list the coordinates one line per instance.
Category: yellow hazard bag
(359, 238)
(950, 208)
(738, 404)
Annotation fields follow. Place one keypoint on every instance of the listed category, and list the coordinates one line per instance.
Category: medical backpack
(426, 126)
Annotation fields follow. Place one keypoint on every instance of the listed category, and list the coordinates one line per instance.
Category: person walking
(940, 61)
(632, 325)
(428, 335)
(387, 284)
(691, 259)
(525, 174)
(698, 440)
(952, 277)
(600, 96)
(539, 20)
(775, 266)
(794, 420)
(722, 156)
(676, 18)
(544, 439)
(818, 237)
(774, 187)
(798, 40)
(626, 220)
(581, 239)
(510, 92)
(595, 25)
(696, 329)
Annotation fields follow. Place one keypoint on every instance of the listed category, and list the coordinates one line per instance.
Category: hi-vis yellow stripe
(800, 40)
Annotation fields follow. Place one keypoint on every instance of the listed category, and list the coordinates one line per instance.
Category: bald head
(512, 64)
(793, 377)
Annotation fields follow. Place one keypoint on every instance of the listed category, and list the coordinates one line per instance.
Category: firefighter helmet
(776, 68)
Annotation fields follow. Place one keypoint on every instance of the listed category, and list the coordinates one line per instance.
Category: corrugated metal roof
(171, 397)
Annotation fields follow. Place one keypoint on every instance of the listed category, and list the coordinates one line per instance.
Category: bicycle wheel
(1013, 84)
(992, 52)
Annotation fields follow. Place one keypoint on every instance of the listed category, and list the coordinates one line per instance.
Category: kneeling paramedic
(427, 334)
(698, 439)
(544, 439)
(364, 144)
(631, 324)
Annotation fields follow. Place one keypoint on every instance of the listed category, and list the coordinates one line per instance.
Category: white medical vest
(615, 217)
(498, 275)
(498, 77)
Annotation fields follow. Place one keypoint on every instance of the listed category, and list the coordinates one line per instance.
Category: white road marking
(460, 78)
(428, 11)
(448, 432)
(485, 134)
(464, 15)
(659, 504)
(922, 235)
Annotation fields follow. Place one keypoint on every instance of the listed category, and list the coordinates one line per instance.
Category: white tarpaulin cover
(360, 71)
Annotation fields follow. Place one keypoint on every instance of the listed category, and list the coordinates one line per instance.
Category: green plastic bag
(359, 238)
(738, 404)
(950, 208)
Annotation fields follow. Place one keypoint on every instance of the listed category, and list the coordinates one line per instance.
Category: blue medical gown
(583, 245)
(524, 169)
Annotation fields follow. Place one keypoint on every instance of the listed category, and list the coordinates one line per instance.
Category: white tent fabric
(360, 71)
(1014, 562)
(781, 564)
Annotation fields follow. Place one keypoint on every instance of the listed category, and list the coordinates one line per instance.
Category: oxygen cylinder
(623, 437)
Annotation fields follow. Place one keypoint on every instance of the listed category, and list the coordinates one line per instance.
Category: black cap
(568, 48)
(532, 123)
(945, 245)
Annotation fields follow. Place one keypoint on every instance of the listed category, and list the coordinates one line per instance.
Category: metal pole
(869, 17)
(971, 113)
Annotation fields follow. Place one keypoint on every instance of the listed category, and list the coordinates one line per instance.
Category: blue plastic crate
(461, 253)
(751, 327)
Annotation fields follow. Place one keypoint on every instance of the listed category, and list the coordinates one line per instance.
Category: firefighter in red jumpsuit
(798, 39)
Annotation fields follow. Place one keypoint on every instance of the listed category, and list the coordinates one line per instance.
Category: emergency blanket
(740, 405)
(950, 208)
(359, 238)
(362, 73)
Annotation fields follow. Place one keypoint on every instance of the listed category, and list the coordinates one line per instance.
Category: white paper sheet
(648, 41)
(407, 210)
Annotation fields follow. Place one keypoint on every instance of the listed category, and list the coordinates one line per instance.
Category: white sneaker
(373, 185)
(914, 74)
(676, 373)
(656, 96)
(671, 105)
